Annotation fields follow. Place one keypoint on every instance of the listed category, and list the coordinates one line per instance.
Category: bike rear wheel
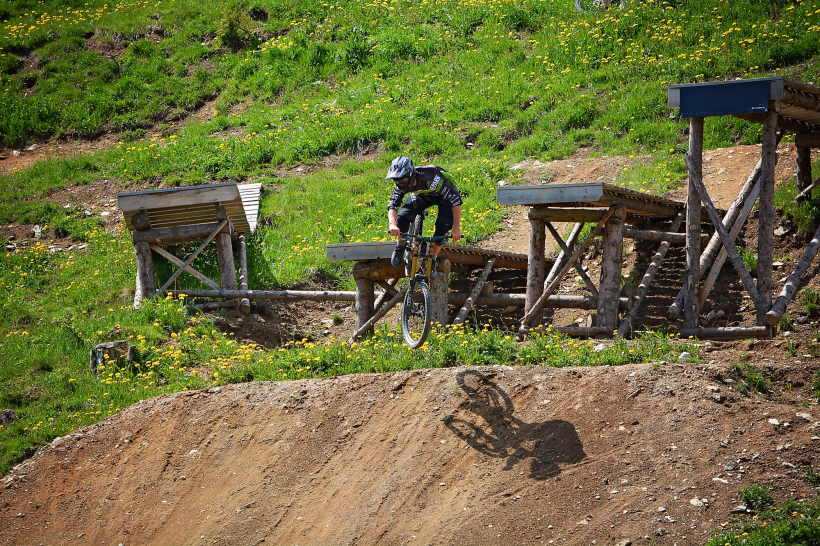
(416, 314)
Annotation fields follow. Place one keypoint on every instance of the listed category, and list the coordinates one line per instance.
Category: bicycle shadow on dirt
(494, 431)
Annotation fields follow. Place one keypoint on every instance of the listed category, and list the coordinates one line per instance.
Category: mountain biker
(427, 186)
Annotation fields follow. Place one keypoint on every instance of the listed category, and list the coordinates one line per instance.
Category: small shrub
(233, 29)
(748, 378)
(337, 319)
(755, 497)
(749, 260)
(811, 299)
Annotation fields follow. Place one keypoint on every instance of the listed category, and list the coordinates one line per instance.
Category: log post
(244, 303)
(364, 302)
(146, 285)
(793, 283)
(765, 223)
(803, 169)
(368, 324)
(693, 227)
(227, 267)
(535, 266)
(611, 263)
(439, 287)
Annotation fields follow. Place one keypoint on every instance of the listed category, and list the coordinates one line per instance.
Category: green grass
(792, 523)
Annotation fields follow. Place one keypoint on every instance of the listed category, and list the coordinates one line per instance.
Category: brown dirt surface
(528, 455)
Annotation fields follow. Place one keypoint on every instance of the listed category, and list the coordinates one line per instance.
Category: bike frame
(421, 248)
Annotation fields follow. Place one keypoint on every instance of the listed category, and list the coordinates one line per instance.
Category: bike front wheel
(416, 315)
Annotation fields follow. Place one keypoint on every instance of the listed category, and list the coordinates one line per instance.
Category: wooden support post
(611, 263)
(765, 222)
(803, 169)
(693, 227)
(742, 272)
(678, 239)
(364, 302)
(536, 265)
(146, 286)
(439, 288)
(626, 323)
(368, 324)
(552, 285)
(227, 267)
(565, 249)
(462, 314)
(244, 303)
(793, 283)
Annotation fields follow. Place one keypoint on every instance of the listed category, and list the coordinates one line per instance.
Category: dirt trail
(500, 455)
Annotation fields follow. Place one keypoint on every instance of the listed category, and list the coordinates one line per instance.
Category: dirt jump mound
(498, 455)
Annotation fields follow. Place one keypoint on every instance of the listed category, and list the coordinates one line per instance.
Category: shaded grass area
(46, 380)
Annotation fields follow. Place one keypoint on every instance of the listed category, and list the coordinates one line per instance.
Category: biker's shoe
(398, 255)
(433, 272)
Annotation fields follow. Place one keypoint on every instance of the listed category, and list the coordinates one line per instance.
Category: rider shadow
(496, 432)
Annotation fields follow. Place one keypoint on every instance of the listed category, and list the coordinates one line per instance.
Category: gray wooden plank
(177, 197)
(360, 251)
(550, 193)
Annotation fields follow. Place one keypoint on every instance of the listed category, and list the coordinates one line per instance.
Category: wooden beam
(379, 314)
(536, 264)
(562, 256)
(174, 235)
(547, 214)
(636, 204)
(766, 217)
(574, 331)
(793, 283)
(244, 304)
(693, 226)
(280, 295)
(724, 236)
(364, 302)
(611, 262)
(807, 140)
(553, 285)
(677, 239)
(565, 249)
(145, 283)
(188, 269)
(213, 305)
(734, 332)
(462, 314)
(802, 100)
(439, 287)
(786, 124)
(806, 193)
(178, 197)
(626, 323)
(207, 240)
(550, 193)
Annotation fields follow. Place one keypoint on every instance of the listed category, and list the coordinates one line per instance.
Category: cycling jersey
(432, 183)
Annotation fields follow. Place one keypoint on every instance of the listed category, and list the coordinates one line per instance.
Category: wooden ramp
(455, 254)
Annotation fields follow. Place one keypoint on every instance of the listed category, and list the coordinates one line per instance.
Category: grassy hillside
(341, 87)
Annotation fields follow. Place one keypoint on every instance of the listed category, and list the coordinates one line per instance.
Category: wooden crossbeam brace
(793, 283)
(462, 314)
(553, 285)
(711, 279)
(626, 322)
(379, 314)
(565, 249)
(807, 191)
(562, 257)
(201, 247)
(189, 269)
(730, 220)
(724, 237)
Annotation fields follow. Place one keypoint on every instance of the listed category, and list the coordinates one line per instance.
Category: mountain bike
(595, 5)
(416, 313)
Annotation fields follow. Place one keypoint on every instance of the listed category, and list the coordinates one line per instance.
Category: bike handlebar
(440, 238)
